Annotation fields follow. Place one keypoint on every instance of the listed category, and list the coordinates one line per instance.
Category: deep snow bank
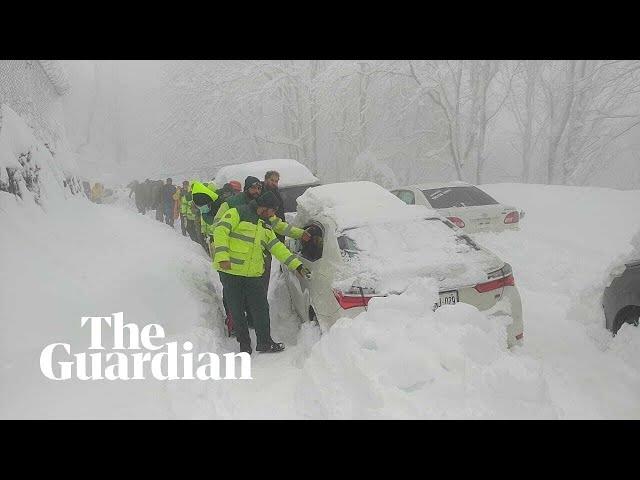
(81, 259)
(569, 240)
(401, 360)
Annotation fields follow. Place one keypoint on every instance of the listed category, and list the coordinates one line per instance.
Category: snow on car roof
(291, 172)
(352, 204)
(430, 185)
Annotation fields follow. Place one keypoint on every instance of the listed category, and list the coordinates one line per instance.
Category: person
(271, 180)
(146, 194)
(137, 189)
(204, 198)
(282, 229)
(235, 186)
(240, 239)
(184, 205)
(156, 199)
(168, 190)
(252, 190)
(97, 193)
(187, 205)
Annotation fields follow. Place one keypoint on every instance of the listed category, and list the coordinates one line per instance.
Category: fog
(395, 122)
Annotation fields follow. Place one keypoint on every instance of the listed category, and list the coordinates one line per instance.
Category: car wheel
(628, 315)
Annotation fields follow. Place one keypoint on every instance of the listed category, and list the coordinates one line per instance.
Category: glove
(306, 236)
(304, 272)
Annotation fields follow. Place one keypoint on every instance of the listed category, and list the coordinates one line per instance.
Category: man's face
(254, 191)
(272, 182)
(265, 212)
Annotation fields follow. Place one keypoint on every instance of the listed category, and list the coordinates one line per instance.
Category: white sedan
(358, 227)
(465, 205)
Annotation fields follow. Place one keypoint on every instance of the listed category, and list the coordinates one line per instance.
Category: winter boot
(273, 347)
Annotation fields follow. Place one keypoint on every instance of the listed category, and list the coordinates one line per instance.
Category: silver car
(465, 271)
(468, 207)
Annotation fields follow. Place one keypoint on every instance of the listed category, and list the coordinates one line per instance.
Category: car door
(310, 253)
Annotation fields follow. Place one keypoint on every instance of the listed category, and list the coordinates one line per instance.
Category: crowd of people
(240, 228)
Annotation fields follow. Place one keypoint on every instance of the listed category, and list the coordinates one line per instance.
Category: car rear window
(290, 195)
(457, 197)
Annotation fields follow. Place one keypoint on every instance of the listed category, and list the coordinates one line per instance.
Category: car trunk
(480, 218)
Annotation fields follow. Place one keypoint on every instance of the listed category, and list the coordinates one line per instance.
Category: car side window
(407, 196)
(312, 250)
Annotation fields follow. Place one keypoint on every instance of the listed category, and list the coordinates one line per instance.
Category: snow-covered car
(465, 205)
(621, 299)
(367, 243)
(295, 178)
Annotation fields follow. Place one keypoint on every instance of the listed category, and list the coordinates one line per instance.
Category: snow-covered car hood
(389, 257)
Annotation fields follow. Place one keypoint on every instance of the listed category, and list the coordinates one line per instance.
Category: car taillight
(351, 299)
(512, 217)
(507, 281)
(456, 221)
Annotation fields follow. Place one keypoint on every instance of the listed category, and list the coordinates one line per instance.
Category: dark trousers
(183, 224)
(168, 215)
(191, 230)
(266, 276)
(247, 292)
(159, 214)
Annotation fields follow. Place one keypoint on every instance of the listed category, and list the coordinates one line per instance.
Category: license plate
(447, 298)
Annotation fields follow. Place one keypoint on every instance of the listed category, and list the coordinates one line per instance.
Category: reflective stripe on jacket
(240, 237)
(279, 226)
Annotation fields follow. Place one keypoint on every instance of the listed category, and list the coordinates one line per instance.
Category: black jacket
(280, 210)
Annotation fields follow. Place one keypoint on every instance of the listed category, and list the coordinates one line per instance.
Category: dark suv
(621, 299)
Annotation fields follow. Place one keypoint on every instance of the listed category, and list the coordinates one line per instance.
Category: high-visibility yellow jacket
(185, 206)
(206, 219)
(241, 237)
(279, 226)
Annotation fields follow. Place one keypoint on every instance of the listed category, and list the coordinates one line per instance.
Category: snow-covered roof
(430, 185)
(352, 204)
(291, 172)
(57, 74)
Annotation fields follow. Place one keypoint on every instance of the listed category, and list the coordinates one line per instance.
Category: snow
(399, 359)
(353, 204)
(58, 75)
(291, 172)
(448, 257)
(16, 139)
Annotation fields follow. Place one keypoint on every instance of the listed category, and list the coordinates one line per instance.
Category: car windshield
(407, 237)
(388, 256)
(458, 197)
(290, 195)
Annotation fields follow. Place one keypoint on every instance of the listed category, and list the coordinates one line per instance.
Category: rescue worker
(252, 189)
(187, 205)
(182, 199)
(204, 198)
(240, 239)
